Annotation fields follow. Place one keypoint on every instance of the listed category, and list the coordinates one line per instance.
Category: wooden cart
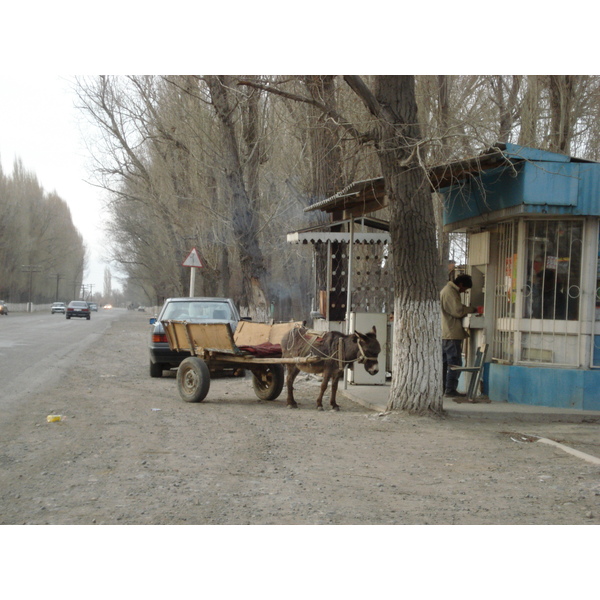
(213, 346)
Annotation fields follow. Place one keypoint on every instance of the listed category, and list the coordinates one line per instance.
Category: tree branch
(338, 119)
(381, 111)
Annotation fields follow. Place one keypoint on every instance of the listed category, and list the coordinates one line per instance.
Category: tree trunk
(507, 106)
(244, 217)
(530, 113)
(563, 89)
(441, 158)
(326, 164)
(416, 371)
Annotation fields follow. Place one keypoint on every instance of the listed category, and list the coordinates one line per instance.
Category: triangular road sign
(193, 260)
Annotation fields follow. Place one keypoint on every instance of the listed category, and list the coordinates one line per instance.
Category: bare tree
(243, 187)
(391, 102)
(36, 230)
(107, 291)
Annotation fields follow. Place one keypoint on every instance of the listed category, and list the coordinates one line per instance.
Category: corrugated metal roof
(366, 192)
(369, 195)
(500, 155)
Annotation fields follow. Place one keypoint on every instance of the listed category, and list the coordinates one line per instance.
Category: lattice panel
(372, 282)
(338, 292)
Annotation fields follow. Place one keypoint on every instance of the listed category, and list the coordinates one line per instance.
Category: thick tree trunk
(416, 372)
(326, 163)
(244, 225)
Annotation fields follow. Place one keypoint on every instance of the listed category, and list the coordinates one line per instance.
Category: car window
(176, 310)
(197, 310)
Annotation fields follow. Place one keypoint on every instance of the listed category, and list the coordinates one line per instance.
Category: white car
(58, 307)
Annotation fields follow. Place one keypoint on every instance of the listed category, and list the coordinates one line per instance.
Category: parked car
(93, 306)
(78, 308)
(193, 310)
(58, 307)
(3, 308)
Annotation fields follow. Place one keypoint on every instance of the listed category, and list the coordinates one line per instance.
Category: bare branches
(378, 110)
(329, 112)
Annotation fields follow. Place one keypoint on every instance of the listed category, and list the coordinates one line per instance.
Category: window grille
(537, 302)
(595, 335)
(552, 292)
(505, 293)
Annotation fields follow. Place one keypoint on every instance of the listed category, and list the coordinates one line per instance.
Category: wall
(559, 388)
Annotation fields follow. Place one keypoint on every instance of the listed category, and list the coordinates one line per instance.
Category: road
(36, 349)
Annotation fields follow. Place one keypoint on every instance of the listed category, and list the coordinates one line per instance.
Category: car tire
(68, 317)
(156, 369)
(193, 379)
(88, 317)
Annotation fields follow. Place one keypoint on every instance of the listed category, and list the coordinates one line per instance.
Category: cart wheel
(268, 381)
(193, 379)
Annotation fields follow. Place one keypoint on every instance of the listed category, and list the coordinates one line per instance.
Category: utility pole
(58, 278)
(31, 269)
(86, 290)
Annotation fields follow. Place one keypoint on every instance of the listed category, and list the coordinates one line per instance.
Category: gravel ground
(129, 451)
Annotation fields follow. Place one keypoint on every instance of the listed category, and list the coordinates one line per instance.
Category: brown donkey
(338, 350)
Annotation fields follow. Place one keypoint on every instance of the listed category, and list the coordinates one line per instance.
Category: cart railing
(201, 338)
(198, 338)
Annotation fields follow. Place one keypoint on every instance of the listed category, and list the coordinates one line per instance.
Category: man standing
(453, 333)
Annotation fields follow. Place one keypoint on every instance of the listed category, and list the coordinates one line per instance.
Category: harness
(312, 336)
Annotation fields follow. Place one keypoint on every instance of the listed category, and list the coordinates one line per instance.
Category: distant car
(78, 308)
(93, 306)
(193, 310)
(141, 309)
(3, 308)
(58, 307)
(107, 306)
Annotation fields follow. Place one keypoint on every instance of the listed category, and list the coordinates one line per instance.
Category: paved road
(35, 349)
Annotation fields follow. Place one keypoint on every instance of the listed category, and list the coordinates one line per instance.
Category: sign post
(194, 261)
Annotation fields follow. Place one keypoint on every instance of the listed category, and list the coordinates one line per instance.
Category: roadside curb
(375, 397)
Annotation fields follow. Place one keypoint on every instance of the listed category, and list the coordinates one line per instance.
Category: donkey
(356, 347)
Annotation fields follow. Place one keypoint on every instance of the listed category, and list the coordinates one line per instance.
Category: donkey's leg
(292, 372)
(335, 377)
(326, 377)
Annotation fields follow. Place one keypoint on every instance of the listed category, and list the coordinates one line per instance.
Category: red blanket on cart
(263, 350)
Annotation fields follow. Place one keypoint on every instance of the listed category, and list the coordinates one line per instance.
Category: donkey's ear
(374, 331)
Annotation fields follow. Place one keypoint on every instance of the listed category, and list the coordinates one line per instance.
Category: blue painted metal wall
(544, 183)
(571, 388)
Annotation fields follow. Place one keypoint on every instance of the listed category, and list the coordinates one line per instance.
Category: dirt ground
(129, 451)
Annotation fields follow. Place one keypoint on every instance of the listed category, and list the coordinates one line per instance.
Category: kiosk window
(553, 275)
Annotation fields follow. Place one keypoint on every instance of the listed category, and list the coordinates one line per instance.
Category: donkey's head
(368, 350)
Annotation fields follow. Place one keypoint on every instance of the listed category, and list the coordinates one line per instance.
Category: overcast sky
(40, 125)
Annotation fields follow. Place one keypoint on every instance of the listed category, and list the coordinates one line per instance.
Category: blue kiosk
(532, 223)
